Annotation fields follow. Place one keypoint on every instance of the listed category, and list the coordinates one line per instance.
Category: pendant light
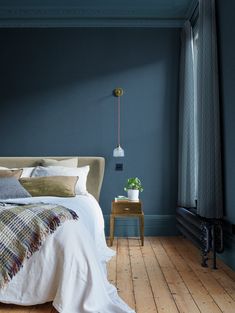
(118, 152)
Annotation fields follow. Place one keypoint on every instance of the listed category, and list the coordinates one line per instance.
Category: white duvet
(70, 268)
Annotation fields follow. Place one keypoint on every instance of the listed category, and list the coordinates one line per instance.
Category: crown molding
(105, 23)
(83, 17)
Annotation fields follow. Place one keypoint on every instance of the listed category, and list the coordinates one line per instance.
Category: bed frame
(94, 179)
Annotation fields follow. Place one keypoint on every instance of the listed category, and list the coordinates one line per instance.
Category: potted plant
(133, 187)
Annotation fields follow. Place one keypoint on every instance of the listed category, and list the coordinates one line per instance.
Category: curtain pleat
(210, 195)
(187, 161)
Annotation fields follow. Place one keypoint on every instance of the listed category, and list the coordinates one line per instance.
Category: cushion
(57, 186)
(26, 171)
(80, 172)
(73, 162)
(11, 173)
(10, 188)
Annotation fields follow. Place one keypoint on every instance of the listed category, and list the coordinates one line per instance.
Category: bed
(70, 267)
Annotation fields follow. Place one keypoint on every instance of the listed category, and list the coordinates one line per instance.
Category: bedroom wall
(226, 17)
(56, 99)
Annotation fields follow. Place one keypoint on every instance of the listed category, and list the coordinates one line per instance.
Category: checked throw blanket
(23, 229)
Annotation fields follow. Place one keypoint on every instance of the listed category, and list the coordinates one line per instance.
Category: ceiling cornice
(84, 17)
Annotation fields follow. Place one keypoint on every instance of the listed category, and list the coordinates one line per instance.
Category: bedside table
(126, 209)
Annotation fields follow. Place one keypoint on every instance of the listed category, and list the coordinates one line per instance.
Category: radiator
(206, 234)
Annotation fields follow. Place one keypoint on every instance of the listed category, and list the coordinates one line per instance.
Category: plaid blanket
(23, 229)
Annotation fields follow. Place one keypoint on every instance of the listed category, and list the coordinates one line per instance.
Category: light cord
(119, 121)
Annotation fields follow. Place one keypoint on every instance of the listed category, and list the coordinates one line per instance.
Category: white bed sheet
(70, 268)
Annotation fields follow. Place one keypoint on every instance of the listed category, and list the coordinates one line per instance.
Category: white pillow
(27, 171)
(81, 172)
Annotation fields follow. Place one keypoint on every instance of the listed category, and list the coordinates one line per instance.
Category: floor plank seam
(141, 283)
(164, 277)
(116, 261)
(180, 253)
(148, 277)
(217, 280)
(227, 271)
(131, 273)
(205, 286)
(191, 268)
(181, 277)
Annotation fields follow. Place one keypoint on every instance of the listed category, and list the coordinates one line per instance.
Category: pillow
(26, 171)
(73, 162)
(10, 188)
(11, 173)
(81, 172)
(57, 186)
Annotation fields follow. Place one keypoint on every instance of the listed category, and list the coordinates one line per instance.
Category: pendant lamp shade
(118, 152)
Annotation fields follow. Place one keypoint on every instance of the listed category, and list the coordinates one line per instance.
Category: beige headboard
(94, 179)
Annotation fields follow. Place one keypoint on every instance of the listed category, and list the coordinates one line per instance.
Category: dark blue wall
(226, 18)
(56, 99)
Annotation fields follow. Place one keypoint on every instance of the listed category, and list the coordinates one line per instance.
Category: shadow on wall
(40, 60)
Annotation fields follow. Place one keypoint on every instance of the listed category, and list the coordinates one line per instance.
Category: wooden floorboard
(112, 266)
(143, 293)
(198, 292)
(178, 288)
(163, 276)
(205, 275)
(163, 297)
(124, 273)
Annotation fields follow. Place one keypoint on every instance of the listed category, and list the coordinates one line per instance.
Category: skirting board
(228, 256)
(155, 225)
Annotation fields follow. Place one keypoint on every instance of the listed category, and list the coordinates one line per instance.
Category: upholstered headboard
(94, 179)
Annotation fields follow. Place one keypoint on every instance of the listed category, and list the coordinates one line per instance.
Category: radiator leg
(204, 243)
(204, 259)
(213, 235)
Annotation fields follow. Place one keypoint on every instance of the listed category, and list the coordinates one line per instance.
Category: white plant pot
(133, 194)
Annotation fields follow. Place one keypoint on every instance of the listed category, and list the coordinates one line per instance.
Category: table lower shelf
(140, 216)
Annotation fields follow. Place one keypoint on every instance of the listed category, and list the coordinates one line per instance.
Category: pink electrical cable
(119, 121)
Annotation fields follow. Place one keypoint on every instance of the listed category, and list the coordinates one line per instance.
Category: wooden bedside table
(126, 209)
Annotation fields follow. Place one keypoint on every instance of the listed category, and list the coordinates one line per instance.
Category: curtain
(210, 196)
(187, 156)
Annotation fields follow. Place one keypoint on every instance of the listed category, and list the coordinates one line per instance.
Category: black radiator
(206, 234)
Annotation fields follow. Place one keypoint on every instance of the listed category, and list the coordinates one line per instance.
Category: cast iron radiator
(206, 234)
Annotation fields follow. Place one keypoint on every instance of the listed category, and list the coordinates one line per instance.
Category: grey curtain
(210, 196)
(187, 144)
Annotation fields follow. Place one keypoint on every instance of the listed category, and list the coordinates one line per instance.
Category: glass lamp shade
(118, 152)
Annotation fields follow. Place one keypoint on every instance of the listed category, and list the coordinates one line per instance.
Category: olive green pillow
(11, 173)
(57, 186)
